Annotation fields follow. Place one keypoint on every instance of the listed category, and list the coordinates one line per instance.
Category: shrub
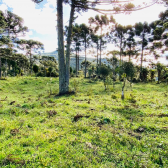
(35, 69)
(152, 74)
(144, 74)
(40, 74)
(104, 72)
(129, 69)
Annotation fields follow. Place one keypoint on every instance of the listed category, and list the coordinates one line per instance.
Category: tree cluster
(16, 55)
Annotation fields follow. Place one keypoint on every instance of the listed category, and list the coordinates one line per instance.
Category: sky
(41, 18)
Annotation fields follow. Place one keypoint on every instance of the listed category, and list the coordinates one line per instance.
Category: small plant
(105, 121)
(108, 81)
(104, 72)
(124, 80)
(113, 96)
(75, 85)
(89, 91)
(132, 99)
(25, 82)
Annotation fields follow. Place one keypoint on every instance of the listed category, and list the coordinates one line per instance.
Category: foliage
(35, 68)
(104, 72)
(50, 69)
(30, 46)
(88, 63)
(144, 74)
(152, 74)
(159, 68)
(129, 69)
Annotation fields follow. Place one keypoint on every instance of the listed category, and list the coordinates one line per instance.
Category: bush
(129, 69)
(104, 72)
(53, 74)
(144, 74)
(152, 75)
(35, 68)
(40, 74)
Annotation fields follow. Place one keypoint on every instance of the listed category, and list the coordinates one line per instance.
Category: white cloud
(3, 7)
(43, 21)
(149, 14)
(49, 43)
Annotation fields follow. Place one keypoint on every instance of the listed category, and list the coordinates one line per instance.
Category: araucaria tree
(130, 42)
(30, 46)
(2, 39)
(119, 38)
(100, 22)
(85, 34)
(11, 27)
(84, 5)
(142, 30)
(76, 43)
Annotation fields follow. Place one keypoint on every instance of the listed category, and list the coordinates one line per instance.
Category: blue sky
(41, 18)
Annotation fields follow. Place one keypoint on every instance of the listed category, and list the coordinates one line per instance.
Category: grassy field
(93, 128)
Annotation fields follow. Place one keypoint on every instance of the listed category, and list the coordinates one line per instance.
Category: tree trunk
(97, 58)
(159, 75)
(130, 55)
(63, 86)
(68, 45)
(76, 62)
(0, 67)
(85, 56)
(120, 51)
(100, 49)
(30, 64)
(143, 36)
(120, 55)
(6, 59)
(122, 94)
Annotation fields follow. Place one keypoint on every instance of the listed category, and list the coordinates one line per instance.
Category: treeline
(20, 56)
(134, 42)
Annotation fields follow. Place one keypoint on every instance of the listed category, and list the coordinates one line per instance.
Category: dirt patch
(137, 136)
(12, 159)
(158, 115)
(51, 113)
(140, 129)
(78, 116)
(14, 131)
(12, 102)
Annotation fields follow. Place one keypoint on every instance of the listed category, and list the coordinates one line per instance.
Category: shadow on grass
(67, 94)
(130, 112)
(88, 82)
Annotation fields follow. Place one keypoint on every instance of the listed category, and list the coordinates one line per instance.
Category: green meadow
(91, 128)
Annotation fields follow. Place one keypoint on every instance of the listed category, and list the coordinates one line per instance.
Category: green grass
(40, 129)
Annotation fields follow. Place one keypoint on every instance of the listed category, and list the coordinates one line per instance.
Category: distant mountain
(73, 59)
(51, 54)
